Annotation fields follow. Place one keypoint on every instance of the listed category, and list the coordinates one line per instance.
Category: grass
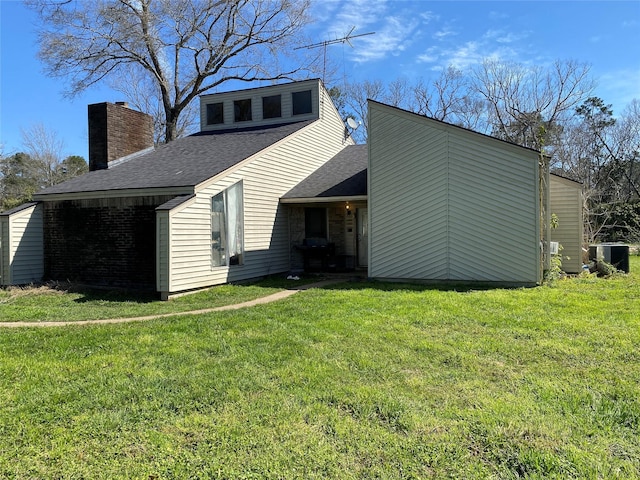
(55, 304)
(355, 381)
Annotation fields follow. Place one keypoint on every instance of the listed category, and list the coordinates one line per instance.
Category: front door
(362, 220)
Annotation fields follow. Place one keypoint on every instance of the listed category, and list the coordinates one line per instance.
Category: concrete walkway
(257, 301)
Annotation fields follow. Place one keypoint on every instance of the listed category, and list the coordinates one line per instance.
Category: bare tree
(142, 95)
(40, 165)
(527, 104)
(398, 93)
(46, 149)
(603, 153)
(618, 177)
(626, 138)
(449, 98)
(356, 96)
(184, 47)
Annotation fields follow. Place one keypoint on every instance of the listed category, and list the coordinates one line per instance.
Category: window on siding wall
(271, 107)
(315, 223)
(301, 102)
(215, 113)
(242, 110)
(218, 231)
(227, 227)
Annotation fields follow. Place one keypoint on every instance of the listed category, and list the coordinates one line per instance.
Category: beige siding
(566, 203)
(449, 204)
(266, 177)
(407, 198)
(5, 275)
(493, 210)
(22, 249)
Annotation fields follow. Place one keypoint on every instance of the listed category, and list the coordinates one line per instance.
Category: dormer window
(301, 102)
(267, 105)
(215, 113)
(271, 106)
(242, 110)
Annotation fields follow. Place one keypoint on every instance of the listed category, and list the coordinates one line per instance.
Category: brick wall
(336, 216)
(106, 242)
(116, 131)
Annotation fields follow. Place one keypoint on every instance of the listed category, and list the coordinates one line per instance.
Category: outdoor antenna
(346, 39)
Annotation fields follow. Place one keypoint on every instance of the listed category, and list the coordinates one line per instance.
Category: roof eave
(18, 209)
(343, 198)
(132, 192)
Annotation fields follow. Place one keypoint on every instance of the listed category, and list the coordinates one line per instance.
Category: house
(331, 204)
(21, 249)
(274, 183)
(477, 207)
(566, 202)
(429, 201)
(470, 202)
(199, 211)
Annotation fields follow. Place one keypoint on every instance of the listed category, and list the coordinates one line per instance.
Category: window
(218, 231)
(301, 102)
(271, 107)
(242, 110)
(215, 113)
(315, 223)
(227, 227)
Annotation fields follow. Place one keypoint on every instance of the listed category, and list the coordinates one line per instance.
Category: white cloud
(428, 17)
(399, 27)
(392, 37)
(323, 11)
(502, 36)
(474, 53)
(494, 15)
(359, 13)
(431, 55)
(499, 44)
(444, 33)
(395, 27)
(465, 55)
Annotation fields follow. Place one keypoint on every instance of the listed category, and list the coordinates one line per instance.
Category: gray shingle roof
(174, 202)
(17, 209)
(345, 175)
(184, 162)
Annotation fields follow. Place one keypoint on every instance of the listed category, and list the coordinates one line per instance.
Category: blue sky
(413, 39)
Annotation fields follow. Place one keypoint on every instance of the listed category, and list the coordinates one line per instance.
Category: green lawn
(47, 304)
(359, 380)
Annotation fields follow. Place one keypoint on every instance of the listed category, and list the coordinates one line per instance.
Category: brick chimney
(116, 131)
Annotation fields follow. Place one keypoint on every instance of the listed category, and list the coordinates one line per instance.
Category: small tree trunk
(171, 130)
